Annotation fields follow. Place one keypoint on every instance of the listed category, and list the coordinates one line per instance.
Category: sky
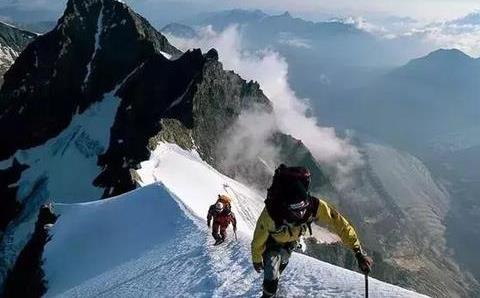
(418, 9)
(387, 18)
(425, 10)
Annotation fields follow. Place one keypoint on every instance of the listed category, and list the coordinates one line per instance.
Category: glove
(365, 262)
(258, 267)
(300, 245)
(208, 224)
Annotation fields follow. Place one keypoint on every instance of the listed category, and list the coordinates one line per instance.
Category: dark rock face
(195, 90)
(66, 70)
(160, 89)
(219, 100)
(26, 277)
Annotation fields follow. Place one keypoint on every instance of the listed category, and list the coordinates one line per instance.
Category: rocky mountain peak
(95, 46)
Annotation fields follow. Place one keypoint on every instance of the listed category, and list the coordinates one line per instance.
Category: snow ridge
(164, 248)
(98, 34)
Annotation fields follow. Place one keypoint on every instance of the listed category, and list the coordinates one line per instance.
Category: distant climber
(288, 214)
(222, 215)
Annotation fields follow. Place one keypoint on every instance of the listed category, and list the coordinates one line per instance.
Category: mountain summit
(89, 52)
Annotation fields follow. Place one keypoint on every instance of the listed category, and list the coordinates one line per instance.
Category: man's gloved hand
(301, 246)
(208, 224)
(258, 267)
(365, 262)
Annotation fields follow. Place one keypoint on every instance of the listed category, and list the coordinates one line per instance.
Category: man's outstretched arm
(329, 216)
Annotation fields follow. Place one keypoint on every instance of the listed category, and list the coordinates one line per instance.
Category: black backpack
(289, 184)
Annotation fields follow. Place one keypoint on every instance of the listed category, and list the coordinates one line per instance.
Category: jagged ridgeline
(84, 104)
(12, 43)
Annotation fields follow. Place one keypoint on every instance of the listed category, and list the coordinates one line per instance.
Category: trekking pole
(366, 285)
(235, 233)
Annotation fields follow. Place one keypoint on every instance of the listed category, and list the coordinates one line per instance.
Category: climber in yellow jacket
(287, 216)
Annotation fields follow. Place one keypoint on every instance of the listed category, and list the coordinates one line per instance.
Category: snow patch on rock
(5, 164)
(64, 167)
(97, 47)
(7, 56)
(166, 55)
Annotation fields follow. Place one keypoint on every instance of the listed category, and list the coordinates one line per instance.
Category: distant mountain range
(323, 57)
(334, 41)
(412, 105)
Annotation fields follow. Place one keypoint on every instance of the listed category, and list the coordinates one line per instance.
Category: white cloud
(289, 39)
(248, 141)
(462, 33)
(362, 24)
(463, 37)
(271, 70)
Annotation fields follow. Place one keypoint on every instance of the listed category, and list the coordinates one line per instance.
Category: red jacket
(223, 218)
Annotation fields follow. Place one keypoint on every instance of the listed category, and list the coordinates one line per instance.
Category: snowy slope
(153, 242)
(49, 176)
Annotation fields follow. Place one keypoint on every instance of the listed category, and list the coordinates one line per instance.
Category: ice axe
(366, 285)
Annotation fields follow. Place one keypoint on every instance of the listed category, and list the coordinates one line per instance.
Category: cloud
(247, 143)
(288, 39)
(461, 33)
(463, 37)
(271, 71)
(362, 24)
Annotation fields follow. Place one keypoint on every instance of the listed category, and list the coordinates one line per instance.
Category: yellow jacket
(326, 215)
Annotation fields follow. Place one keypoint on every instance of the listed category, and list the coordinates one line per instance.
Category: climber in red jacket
(222, 216)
